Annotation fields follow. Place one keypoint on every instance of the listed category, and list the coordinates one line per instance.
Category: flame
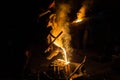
(63, 61)
(76, 21)
(59, 22)
(80, 14)
(65, 54)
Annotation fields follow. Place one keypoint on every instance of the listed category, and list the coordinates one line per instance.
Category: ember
(61, 67)
(60, 70)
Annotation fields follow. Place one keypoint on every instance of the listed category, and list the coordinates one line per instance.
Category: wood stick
(80, 65)
(53, 40)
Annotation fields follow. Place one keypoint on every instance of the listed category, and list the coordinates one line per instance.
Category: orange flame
(80, 14)
(65, 56)
(59, 23)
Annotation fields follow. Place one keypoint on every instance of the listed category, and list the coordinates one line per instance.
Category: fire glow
(59, 41)
(76, 21)
(81, 14)
(65, 54)
(59, 22)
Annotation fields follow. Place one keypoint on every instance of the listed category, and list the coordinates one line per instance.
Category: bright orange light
(80, 14)
(65, 54)
(63, 61)
(77, 21)
(60, 22)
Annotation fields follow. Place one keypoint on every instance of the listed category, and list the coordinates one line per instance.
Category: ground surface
(97, 67)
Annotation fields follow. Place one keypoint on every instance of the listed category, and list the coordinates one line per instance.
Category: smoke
(63, 22)
(60, 21)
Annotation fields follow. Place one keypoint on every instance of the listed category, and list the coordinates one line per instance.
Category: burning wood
(60, 65)
(79, 66)
(61, 70)
(59, 22)
(53, 41)
(80, 14)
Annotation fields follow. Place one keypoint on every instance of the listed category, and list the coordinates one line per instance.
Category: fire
(65, 54)
(80, 14)
(59, 22)
(76, 21)
(61, 60)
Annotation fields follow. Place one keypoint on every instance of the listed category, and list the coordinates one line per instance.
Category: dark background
(22, 29)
